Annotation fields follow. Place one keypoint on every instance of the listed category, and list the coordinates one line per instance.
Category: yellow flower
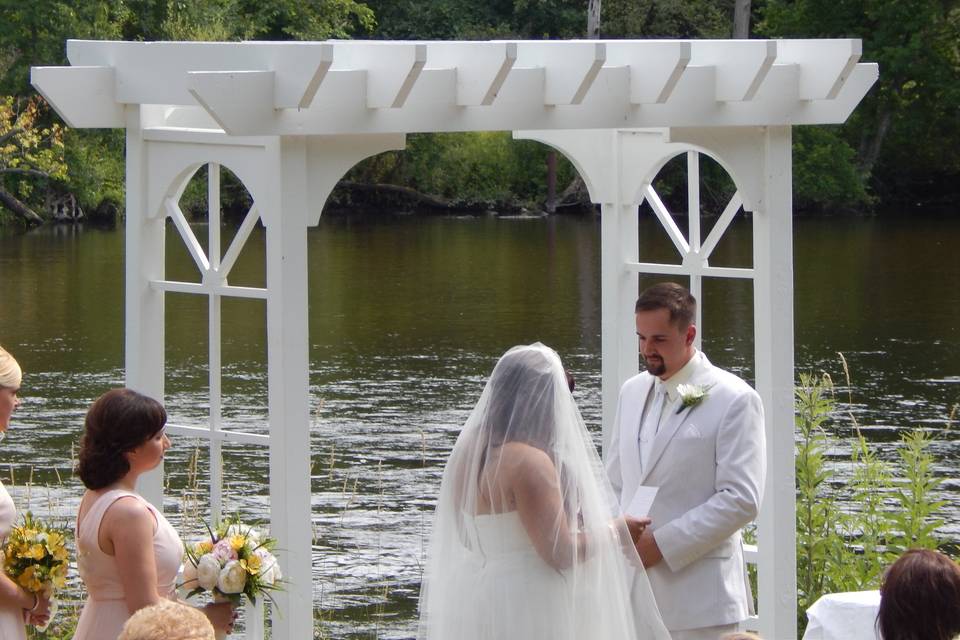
(251, 564)
(204, 546)
(237, 542)
(35, 552)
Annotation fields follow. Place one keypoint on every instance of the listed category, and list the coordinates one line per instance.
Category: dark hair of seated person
(920, 598)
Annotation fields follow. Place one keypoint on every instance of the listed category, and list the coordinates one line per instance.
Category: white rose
(189, 574)
(233, 578)
(208, 572)
(269, 569)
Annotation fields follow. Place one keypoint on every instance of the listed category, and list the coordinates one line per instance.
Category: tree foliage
(907, 128)
(30, 152)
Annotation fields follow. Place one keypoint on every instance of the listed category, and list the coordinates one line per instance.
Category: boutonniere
(692, 394)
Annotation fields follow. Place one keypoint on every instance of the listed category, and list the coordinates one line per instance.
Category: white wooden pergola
(290, 118)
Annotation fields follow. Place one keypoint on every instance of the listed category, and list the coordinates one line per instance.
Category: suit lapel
(675, 419)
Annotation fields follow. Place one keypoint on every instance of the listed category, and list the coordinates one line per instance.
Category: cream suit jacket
(708, 461)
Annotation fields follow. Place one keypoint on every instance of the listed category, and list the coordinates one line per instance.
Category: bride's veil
(591, 584)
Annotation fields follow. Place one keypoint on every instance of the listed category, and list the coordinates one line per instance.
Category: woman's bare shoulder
(517, 455)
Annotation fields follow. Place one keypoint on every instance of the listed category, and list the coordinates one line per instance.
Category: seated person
(920, 598)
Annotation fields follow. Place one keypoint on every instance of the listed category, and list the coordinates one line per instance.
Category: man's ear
(691, 334)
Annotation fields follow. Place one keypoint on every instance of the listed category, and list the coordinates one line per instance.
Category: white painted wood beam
(481, 68)
(175, 286)
(240, 437)
(825, 65)
(655, 66)
(392, 68)
(570, 67)
(364, 87)
(155, 72)
(236, 100)
(741, 65)
(720, 227)
(84, 96)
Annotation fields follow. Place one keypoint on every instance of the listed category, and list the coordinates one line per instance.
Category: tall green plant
(895, 503)
(818, 542)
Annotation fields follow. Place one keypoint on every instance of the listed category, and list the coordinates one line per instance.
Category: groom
(695, 432)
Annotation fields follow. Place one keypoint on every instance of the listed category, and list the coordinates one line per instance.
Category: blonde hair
(10, 373)
(167, 620)
(740, 635)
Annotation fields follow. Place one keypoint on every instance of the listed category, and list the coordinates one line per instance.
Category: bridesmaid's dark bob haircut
(119, 421)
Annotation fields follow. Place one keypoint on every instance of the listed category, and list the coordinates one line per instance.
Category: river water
(407, 317)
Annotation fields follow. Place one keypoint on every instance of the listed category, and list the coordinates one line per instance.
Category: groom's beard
(655, 365)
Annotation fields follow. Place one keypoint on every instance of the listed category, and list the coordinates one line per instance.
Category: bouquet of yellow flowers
(36, 558)
(235, 560)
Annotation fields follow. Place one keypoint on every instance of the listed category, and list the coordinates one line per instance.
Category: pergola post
(773, 338)
(288, 361)
(143, 304)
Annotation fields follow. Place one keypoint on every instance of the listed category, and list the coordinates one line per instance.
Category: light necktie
(651, 423)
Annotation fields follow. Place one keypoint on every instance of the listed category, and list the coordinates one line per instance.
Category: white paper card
(642, 501)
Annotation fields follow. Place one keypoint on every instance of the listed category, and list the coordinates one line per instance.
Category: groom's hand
(647, 549)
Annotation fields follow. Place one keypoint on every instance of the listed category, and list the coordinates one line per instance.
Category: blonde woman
(17, 605)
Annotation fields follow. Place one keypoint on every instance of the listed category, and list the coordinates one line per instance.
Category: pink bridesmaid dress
(105, 610)
(11, 616)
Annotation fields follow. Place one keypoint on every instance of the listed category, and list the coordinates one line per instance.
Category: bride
(527, 540)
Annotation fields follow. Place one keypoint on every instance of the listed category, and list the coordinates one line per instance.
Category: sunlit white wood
(214, 333)
(144, 322)
(236, 100)
(481, 67)
(720, 227)
(209, 289)
(284, 208)
(773, 340)
(392, 68)
(186, 233)
(655, 66)
(825, 65)
(741, 65)
(687, 269)
(862, 77)
(99, 107)
(669, 225)
(693, 225)
(253, 613)
(204, 433)
(570, 67)
(239, 240)
(328, 158)
(300, 66)
(598, 84)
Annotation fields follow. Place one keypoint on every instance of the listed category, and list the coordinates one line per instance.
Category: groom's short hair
(672, 297)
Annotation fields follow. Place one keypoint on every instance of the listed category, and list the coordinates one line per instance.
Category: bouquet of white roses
(235, 560)
(36, 558)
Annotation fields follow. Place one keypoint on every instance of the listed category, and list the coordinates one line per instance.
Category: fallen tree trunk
(21, 210)
(434, 202)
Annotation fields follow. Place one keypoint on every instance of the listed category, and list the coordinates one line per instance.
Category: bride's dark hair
(522, 390)
(117, 422)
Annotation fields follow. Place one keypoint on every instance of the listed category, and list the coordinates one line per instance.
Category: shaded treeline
(898, 150)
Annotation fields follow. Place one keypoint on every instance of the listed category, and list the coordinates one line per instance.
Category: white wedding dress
(515, 592)
(485, 578)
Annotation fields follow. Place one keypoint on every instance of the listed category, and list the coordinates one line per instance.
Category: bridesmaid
(127, 553)
(16, 605)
